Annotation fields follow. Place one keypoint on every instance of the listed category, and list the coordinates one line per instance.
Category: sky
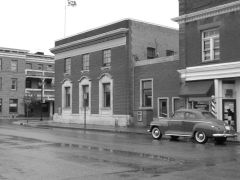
(35, 25)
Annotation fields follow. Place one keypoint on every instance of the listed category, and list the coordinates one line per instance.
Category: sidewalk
(90, 127)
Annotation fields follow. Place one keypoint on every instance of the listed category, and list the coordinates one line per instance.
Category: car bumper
(148, 130)
(225, 135)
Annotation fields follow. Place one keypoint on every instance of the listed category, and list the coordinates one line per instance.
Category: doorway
(229, 112)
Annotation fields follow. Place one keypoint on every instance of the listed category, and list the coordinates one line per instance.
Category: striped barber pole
(213, 107)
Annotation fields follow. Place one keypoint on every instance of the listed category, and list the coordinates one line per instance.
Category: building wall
(6, 93)
(190, 39)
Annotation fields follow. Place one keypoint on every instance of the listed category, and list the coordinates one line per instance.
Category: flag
(72, 3)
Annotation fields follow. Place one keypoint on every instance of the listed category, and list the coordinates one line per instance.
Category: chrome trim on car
(183, 135)
(225, 135)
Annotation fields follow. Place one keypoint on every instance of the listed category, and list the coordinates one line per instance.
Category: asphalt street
(35, 153)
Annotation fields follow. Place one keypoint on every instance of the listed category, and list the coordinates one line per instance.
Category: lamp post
(41, 84)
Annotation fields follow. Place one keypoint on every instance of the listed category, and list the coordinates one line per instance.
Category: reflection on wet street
(30, 153)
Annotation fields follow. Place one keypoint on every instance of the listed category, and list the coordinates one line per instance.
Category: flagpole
(65, 17)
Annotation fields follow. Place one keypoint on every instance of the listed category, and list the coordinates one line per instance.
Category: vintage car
(197, 124)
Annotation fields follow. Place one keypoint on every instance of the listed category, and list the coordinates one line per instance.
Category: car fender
(205, 127)
(162, 125)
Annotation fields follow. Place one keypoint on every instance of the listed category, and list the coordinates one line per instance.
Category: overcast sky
(36, 24)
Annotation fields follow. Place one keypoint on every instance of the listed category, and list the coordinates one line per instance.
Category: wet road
(32, 153)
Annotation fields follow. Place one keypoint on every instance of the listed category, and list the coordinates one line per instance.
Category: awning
(197, 89)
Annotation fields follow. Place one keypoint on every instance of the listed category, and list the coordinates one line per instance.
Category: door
(229, 112)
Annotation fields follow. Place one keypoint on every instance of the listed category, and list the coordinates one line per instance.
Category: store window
(146, 93)
(13, 105)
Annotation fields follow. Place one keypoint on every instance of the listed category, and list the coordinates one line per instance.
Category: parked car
(193, 123)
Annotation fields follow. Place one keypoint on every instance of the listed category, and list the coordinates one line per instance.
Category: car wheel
(200, 137)
(220, 140)
(156, 133)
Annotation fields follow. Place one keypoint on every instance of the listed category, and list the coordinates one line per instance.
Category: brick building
(210, 57)
(114, 70)
(21, 76)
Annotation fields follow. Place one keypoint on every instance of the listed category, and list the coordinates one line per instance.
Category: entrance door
(229, 112)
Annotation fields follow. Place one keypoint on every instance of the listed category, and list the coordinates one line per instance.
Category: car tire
(156, 133)
(200, 137)
(220, 140)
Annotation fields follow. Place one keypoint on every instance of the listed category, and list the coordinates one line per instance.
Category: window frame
(29, 64)
(67, 97)
(85, 62)
(1, 64)
(151, 53)
(141, 94)
(14, 65)
(1, 105)
(14, 85)
(67, 65)
(211, 44)
(107, 57)
(163, 98)
(10, 112)
(106, 95)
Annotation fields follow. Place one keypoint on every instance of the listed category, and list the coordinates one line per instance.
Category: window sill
(85, 71)
(210, 61)
(66, 74)
(145, 108)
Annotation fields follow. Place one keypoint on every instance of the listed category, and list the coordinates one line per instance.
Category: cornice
(210, 12)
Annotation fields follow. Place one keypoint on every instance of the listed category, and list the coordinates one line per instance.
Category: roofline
(115, 22)
(14, 49)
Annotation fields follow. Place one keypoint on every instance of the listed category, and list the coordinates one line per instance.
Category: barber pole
(213, 106)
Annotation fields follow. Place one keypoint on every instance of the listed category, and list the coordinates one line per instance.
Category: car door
(175, 123)
(189, 122)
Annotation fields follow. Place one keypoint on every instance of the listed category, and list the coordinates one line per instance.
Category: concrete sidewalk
(89, 127)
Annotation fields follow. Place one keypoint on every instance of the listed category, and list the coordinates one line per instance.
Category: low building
(111, 75)
(21, 93)
(210, 56)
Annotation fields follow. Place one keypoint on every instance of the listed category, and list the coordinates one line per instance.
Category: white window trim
(84, 81)
(141, 107)
(211, 45)
(103, 110)
(163, 98)
(173, 103)
(67, 83)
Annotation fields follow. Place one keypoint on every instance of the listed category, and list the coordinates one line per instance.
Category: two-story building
(119, 74)
(22, 75)
(209, 56)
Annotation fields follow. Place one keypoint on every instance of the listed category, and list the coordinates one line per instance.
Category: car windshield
(208, 115)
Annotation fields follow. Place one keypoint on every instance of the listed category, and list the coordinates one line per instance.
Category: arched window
(84, 94)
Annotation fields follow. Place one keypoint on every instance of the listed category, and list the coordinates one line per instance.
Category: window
(14, 84)
(14, 65)
(28, 66)
(0, 64)
(85, 62)
(49, 67)
(151, 53)
(67, 66)
(107, 57)
(40, 66)
(170, 52)
(106, 95)
(146, 99)
(13, 105)
(163, 107)
(210, 45)
(0, 83)
(85, 89)
(0, 105)
(67, 97)
(28, 83)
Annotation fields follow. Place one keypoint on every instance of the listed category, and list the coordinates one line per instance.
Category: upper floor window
(28, 83)
(146, 93)
(67, 66)
(107, 57)
(13, 105)
(40, 66)
(85, 62)
(28, 65)
(151, 53)
(14, 65)
(49, 67)
(0, 64)
(14, 84)
(210, 45)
